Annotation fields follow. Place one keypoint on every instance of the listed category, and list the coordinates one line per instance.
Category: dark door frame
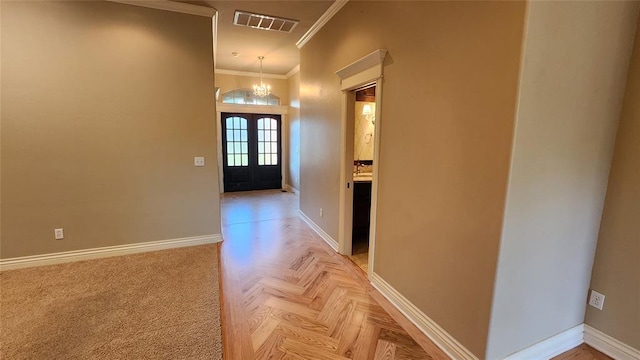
(253, 175)
(282, 110)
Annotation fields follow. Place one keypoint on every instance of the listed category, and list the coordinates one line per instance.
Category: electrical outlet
(198, 161)
(596, 300)
(58, 233)
(321, 213)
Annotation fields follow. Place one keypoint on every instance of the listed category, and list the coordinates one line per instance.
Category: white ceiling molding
(252, 109)
(172, 6)
(251, 74)
(368, 67)
(293, 71)
(331, 11)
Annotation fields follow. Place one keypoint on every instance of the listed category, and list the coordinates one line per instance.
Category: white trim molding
(608, 345)
(221, 107)
(437, 334)
(322, 21)
(250, 74)
(551, 347)
(358, 72)
(291, 189)
(252, 109)
(103, 252)
(295, 70)
(172, 6)
(362, 64)
(367, 71)
(326, 237)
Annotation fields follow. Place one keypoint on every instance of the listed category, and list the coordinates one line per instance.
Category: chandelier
(263, 89)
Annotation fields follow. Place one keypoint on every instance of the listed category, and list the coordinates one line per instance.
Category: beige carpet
(158, 305)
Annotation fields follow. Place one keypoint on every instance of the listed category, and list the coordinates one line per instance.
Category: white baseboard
(328, 239)
(608, 345)
(102, 252)
(553, 346)
(437, 334)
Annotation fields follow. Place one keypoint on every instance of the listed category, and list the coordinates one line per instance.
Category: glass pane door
(267, 141)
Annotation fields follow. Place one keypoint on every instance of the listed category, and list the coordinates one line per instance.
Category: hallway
(287, 295)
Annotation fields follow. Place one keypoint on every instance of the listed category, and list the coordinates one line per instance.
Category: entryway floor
(288, 295)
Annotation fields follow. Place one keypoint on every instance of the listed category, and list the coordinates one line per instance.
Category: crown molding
(331, 11)
(293, 71)
(171, 6)
(250, 74)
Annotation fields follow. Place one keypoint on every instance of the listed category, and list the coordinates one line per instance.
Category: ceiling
(278, 48)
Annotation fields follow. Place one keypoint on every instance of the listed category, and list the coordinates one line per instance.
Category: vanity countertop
(362, 177)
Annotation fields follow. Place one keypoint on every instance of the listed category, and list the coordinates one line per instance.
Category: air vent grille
(264, 22)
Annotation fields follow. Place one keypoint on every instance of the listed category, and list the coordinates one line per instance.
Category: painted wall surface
(279, 87)
(448, 107)
(293, 173)
(616, 271)
(104, 106)
(364, 132)
(576, 57)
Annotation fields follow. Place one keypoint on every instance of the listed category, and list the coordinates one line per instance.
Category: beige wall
(104, 106)
(293, 171)
(576, 57)
(616, 272)
(279, 87)
(448, 104)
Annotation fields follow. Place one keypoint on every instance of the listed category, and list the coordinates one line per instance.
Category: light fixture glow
(263, 89)
(367, 111)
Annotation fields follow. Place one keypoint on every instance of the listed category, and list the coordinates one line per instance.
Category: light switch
(198, 161)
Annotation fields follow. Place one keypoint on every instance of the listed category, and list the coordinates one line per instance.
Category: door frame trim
(281, 110)
(364, 72)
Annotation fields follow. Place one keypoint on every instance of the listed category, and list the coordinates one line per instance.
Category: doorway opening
(365, 76)
(363, 150)
(251, 151)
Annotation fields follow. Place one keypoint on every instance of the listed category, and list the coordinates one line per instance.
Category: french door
(252, 151)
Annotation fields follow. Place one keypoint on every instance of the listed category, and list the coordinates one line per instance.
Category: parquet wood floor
(287, 295)
(582, 352)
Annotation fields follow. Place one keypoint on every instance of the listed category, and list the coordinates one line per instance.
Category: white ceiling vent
(264, 22)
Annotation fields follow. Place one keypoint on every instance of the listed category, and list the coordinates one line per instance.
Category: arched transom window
(246, 97)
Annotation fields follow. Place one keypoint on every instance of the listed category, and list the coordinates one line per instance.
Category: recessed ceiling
(278, 48)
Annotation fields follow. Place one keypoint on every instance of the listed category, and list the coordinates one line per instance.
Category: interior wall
(279, 87)
(0, 132)
(616, 271)
(293, 173)
(104, 107)
(450, 84)
(575, 65)
(364, 132)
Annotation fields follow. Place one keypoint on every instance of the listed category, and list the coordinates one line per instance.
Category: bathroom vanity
(361, 204)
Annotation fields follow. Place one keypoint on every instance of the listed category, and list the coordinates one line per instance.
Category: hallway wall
(104, 107)
(293, 171)
(445, 140)
(576, 57)
(616, 272)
